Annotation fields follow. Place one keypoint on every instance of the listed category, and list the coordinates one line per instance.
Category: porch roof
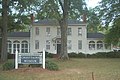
(27, 34)
(19, 34)
(95, 35)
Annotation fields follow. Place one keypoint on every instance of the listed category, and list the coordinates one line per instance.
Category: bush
(48, 55)
(51, 66)
(96, 55)
(9, 65)
(11, 56)
(75, 55)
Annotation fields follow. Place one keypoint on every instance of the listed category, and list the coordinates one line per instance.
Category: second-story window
(48, 31)
(58, 31)
(69, 31)
(79, 31)
(37, 30)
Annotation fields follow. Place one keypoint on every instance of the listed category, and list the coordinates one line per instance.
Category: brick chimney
(32, 18)
(84, 18)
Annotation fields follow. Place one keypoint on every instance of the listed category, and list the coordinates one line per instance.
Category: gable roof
(19, 34)
(49, 22)
(95, 35)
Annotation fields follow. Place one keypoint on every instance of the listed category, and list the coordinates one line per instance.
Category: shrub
(75, 55)
(11, 56)
(9, 65)
(51, 66)
(48, 55)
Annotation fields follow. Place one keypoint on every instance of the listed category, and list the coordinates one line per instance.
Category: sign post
(43, 59)
(16, 59)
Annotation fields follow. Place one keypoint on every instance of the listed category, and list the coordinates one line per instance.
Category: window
(69, 31)
(37, 30)
(48, 44)
(58, 31)
(24, 47)
(79, 31)
(16, 45)
(48, 31)
(79, 44)
(36, 44)
(99, 45)
(69, 44)
(9, 46)
(91, 45)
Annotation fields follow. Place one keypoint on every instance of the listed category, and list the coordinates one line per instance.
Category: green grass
(74, 69)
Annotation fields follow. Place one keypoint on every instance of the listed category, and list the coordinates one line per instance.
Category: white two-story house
(46, 34)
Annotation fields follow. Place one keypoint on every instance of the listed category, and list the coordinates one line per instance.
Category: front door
(58, 48)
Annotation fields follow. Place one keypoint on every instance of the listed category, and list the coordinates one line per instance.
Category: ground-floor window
(36, 44)
(99, 45)
(79, 44)
(48, 44)
(69, 44)
(9, 46)
(16, 45)
(24, 47)
(91, 45)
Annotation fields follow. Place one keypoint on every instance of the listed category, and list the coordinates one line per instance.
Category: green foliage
(51, 66)
(74, 55)
(48, 55)
(93, 21)
(96, 55)
(53, 9)
(9, 65)
(109, 14)
(113, 36)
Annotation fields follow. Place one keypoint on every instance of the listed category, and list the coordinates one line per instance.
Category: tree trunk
(4, 30)
(63, 25)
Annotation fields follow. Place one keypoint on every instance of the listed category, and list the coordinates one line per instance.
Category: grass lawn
(74, 69)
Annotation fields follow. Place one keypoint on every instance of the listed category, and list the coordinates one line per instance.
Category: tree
(64, 25)
(93, 21)
(61, 10)
(4, 30)
(109, 11)
(14, 17)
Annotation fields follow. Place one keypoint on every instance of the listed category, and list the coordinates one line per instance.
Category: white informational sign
(30, 58)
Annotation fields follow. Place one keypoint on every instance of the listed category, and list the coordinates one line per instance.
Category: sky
(92, 3)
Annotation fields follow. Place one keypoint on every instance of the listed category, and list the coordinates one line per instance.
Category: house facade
(46, 34)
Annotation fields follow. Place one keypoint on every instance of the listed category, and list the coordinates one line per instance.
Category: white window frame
(69, 31)
(58, 31)
(69, 44)
(79, 31)
(37, 30)
(36, 44)
(16, 45)
(79, 44)
(48, 31)
(47, 44)
(24, 47)
(91, 45)
(99, 45)
(9, 46)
